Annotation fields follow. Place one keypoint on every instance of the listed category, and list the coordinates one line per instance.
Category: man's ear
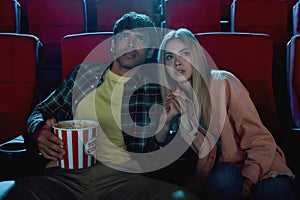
(150, 53)
(112, 46)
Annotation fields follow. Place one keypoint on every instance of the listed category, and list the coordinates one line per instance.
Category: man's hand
(49, 144)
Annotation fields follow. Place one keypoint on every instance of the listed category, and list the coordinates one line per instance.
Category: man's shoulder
(91, 67)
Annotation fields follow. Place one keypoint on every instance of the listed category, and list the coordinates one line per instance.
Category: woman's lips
(180, 72)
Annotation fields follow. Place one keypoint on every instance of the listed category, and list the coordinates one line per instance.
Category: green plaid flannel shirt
(139, 95)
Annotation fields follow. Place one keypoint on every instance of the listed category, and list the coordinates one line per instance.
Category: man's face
(131, 48)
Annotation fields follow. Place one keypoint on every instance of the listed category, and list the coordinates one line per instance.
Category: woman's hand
(49, 144)
(247, 187)
(175, 105)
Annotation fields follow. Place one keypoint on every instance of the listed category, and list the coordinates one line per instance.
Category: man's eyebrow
(141, 32)
(124, 33)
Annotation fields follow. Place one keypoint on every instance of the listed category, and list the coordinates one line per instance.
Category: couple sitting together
(173, 128)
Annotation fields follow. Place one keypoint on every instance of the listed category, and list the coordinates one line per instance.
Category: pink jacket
(245, 140)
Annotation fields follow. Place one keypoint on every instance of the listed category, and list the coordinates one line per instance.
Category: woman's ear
(112, 46)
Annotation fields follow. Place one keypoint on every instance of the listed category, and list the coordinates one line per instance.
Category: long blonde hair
(200, 72)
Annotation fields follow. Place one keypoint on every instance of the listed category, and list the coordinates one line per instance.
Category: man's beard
(124, 65)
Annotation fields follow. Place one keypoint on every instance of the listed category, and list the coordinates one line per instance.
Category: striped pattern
(76, 144)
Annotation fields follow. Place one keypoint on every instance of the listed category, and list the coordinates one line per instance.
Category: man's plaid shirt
(138, 97)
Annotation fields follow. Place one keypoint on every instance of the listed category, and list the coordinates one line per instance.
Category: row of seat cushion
(106, 12)
(70, 17)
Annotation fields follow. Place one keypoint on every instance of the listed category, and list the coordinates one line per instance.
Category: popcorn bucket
(80, 139)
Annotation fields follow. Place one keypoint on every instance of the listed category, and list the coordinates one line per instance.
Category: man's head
(133, 20)
(134, 40)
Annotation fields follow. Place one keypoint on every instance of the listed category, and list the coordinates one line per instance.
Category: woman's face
(178, 59)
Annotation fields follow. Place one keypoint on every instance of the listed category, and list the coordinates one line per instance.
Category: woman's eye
(185, 54)
(168, 57)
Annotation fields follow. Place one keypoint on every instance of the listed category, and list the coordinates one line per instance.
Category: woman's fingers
(176, 102)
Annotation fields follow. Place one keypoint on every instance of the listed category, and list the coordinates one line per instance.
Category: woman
(237, 156)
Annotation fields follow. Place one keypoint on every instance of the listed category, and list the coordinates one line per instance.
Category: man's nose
(131, 42)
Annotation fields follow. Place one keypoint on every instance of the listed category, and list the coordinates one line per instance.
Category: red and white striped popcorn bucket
(80, 139)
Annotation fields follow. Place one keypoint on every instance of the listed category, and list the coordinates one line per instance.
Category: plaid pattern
(139, 95)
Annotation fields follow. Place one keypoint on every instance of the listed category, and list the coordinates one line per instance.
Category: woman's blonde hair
(200, 72)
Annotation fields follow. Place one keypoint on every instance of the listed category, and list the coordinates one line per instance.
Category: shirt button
(92, 86)
(76, 101)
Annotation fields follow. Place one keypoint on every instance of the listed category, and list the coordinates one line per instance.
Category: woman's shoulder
(222, 75)
(230, 81)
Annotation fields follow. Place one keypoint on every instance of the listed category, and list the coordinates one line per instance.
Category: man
(102, 92)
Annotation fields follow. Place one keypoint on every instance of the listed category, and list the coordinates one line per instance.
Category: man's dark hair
(132, 20)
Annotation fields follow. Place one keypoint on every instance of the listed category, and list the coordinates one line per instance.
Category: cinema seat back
(86, 47)
(10, 12)
(249, 57)
(293, 78)
(19, 55)
(197, 16)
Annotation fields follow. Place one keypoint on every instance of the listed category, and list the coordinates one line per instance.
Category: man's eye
(124, 36)
(141, 39)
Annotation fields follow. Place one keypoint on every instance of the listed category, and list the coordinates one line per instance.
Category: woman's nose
(177, 61)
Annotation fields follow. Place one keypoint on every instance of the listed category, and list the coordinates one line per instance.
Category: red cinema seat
(268, 17)
(293, 78)
(197, 16)
(109, 11)
(249, 57)
(86, 47)
(10, 16)
(50, 21)
(19, 60)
